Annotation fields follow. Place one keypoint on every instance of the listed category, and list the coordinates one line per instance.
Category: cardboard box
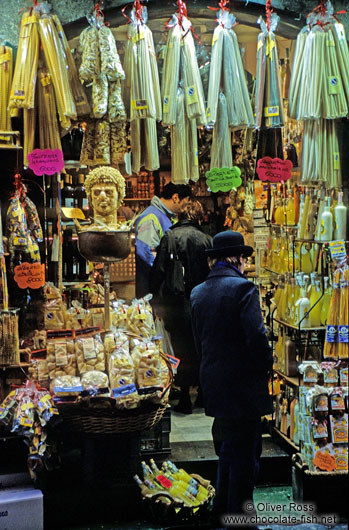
(21, 508)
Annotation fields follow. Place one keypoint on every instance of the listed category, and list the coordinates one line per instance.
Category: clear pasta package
(140, 317)
(89, 350)
(123, 379)
(61, 357)
(66, 386)
(95, 383)
(147, 360)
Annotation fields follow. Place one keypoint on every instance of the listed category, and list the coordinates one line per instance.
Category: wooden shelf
(286, 438)
(12, 366)
(138, 199)
(286, 324)
(3, 146)
(290, 379)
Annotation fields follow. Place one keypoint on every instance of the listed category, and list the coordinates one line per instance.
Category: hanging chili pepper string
(268, 11)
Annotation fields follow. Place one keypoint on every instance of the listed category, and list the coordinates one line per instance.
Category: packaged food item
(140, 318)
(89, 350)
(95, 383)
(118, 314)
(97, 317)
(61, 357)
(122, 379)
(66, 385)
(54, 311)
(339, 429)
(77, 317)
(146, 356)
(38, 372)
(340, 453)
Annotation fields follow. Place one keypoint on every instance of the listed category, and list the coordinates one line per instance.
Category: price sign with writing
(274, 169)
(223, 179)
(30, 275)
(324, 461)
(46, 161)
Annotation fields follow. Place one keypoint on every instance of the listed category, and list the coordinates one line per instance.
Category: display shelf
(286, 324)
(138, 199)
(13, 366)
(73, 164)
(286, 438)
(3, 146)
(292, 380)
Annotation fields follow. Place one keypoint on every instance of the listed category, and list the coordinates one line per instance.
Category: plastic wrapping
(38, 372)
(320, 153)
(227, 69)
(56, 63)
(100, 96)
(102, 143)
(122, 379)
(320, 77)
(268, 102)
(90, 61)
(140, 318)
(29, 125)
(145, 98)
(89, 350)
(110, 61)
(116, 107)
(6, 70)
(49, 132)
(194, 96)
(146, 356)
(77, 90)
(95, 383)
(25, 74)
(118, 143)
(61, 357)
(66, 385)
(170, 78)
(23, 228)
(88, 143)
(221, 155)
(144, 145)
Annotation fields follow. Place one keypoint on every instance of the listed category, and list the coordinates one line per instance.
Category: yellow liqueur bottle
(315, 304)
(290, 210)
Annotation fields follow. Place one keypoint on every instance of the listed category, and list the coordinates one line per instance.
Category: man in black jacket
(235, 363)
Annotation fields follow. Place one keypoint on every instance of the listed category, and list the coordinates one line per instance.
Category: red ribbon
(268, 11)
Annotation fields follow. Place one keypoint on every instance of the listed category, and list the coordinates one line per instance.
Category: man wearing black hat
(236, 360)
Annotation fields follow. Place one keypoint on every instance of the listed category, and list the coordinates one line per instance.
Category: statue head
(105, 188)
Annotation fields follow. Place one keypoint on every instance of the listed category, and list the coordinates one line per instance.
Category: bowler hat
(229, 244)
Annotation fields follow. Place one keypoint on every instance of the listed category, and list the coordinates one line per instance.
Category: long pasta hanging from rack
(6, 71)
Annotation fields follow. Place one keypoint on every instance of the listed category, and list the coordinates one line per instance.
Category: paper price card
(274, 169)
(46, 162)
(337, 250)
(30, 275)
(324, 461)
(223, 179)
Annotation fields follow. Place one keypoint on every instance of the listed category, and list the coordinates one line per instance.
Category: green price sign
(223, 179)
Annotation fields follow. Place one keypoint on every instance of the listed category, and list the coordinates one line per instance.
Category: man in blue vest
(151, 226)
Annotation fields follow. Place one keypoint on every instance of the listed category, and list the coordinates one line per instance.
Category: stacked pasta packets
(183, 105)
(268, 99)
(228, 100)
(100, 70)
(319, 93)
(141, 92)
(45, 69)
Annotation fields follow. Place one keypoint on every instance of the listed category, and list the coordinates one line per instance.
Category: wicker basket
(100, 416)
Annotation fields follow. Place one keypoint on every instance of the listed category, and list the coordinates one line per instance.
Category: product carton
(21, 508)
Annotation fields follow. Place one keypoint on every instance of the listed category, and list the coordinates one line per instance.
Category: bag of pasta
(146, 357)
(122, 379)
(60, 348)
(38, 372)
(89, 350)
(77, 317)
(95, 383)
(66, 386)
(118, 315)
(113, 341)
(140, 318)
(54, 313)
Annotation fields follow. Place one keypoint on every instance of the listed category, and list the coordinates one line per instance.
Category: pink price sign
(274, 169)
(46, 162)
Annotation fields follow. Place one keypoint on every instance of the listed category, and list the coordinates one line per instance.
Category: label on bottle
(343, 333)
(165, 482)
(331, 333)
(84, 204)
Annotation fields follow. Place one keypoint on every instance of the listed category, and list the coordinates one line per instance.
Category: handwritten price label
(223, 179)
(30, 275)
(324, 461)
(46, 162)
(274, 169)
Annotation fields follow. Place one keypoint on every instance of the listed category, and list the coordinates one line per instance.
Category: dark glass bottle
(80, 197)
(69, 256)
(68, 192)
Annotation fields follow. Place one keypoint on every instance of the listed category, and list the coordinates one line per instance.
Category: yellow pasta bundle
(55, 61)
(6, 69)
(48, 125)
(24, 78)
(221, 155)
(77, 90)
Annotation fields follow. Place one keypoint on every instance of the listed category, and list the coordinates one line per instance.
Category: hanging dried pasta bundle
(320, 78)
(116, 107)
(100, 96)
(179, 146)
(118, 143)
(135, 136)
(90, 61)
(145, 98)
(110, 60)
(55, 61)
(151, 153)
(320, 153)
(49, 135)
(29, 122)
(194, 95)
(79, 96)
(192, 133)
(269, 104)
(221, 155)
(170, 77)
(102, 143)
(88, 144)
(6, 69)
(227, 72)
(25, 74)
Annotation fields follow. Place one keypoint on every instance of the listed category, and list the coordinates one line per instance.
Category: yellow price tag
(46, 80)
(271, 111)
(336, 161)
(139, 104)
(191, 95)
(139, 35)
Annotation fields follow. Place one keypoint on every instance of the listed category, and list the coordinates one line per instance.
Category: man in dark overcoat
(236, 361)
